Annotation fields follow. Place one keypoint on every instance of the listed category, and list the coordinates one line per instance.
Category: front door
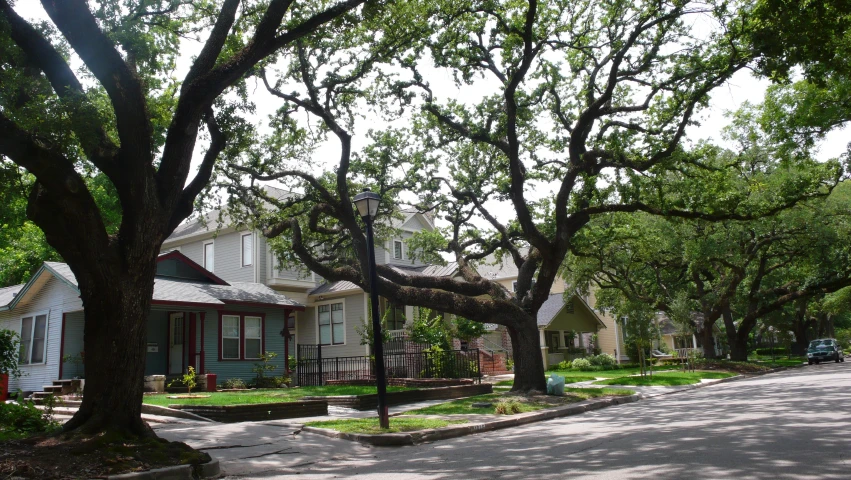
(175, 343)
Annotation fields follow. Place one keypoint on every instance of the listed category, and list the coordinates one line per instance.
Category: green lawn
(780, 361)
(621, 372)
(370, 425)
(666, 379)
(574, 379)
(464, 405)
(274, 395)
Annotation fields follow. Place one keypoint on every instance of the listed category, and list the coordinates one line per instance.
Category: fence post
(478, 367)
(319, 363)
(337, 368)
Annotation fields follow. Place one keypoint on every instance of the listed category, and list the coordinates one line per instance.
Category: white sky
(743, 87)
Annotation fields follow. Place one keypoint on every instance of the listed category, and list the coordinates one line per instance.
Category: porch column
(693, 341)
(202, 366)
(192, 327)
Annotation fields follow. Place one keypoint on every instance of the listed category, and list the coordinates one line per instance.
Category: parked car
(824, 349)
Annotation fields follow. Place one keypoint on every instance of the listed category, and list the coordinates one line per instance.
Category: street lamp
(367, 205)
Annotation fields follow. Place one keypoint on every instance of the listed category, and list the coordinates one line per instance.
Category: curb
(413, 438)
(179, 472)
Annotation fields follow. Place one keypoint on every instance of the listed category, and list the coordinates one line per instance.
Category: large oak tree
(123, 115)
(588, 100)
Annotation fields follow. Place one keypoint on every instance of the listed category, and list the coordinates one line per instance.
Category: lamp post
(367, 205)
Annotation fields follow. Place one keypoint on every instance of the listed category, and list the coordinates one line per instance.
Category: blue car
(823, 350)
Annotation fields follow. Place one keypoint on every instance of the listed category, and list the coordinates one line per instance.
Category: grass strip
(665, 379)
(370, 425)
(259, 396)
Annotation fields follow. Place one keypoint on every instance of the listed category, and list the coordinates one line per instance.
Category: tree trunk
(528, 362)
(739, 348)
(708, 341)
(116, 323)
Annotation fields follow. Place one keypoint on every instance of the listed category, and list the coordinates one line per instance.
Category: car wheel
(809, 362)
(837, 359)
(817, 362)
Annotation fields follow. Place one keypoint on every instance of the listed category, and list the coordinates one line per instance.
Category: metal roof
(7, 294)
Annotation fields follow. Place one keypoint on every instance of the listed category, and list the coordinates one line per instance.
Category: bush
(565, 365)
(273, 382)
(581, 364)
(767, 351)
(24, 420)
(233, 383)
(507, 407)
(603, 360)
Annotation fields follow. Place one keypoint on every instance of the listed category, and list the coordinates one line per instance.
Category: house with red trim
(197, 319)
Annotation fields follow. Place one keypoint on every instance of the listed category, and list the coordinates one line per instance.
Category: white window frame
(204, 255)
(238, 337)
(250, 236)
(401, 249)
(345, 323)
(46, 314)
(244, 340)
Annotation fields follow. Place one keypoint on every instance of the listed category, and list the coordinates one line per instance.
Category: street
(790, 424)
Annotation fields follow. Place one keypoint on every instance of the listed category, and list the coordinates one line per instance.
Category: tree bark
(528, 362)
(115, 333)
(739, 349)
(708, 340)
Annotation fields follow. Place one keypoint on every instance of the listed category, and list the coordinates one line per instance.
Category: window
(33, 339)
(514, 287)
(230, 337)
(247, 244)
(397, 249)
(331, 324)
(395, 317)
(208, 256)
(253, 337)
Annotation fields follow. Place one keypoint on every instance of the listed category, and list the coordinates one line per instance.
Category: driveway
(787, 425)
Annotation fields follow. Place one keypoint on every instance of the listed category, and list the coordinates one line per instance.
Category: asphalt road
(787, 425)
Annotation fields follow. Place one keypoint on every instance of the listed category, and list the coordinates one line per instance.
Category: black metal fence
(314, 369)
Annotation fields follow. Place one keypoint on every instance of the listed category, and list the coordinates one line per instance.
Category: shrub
(507, 407)
(509, 364)
(581, 364)
(18, 420)
(264, 368)
(602, 360)
(273, 382)
(233, 383)
(564, 365)
(767, 351)
(189, 380)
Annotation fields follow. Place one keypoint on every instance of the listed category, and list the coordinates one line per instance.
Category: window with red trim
(242, 336)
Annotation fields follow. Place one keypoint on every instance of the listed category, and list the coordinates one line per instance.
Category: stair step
(64, 382)
(52, 388)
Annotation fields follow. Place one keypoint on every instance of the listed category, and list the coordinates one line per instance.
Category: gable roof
(555, 304)
(167, 290)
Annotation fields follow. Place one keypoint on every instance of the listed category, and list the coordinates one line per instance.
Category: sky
(742, 87)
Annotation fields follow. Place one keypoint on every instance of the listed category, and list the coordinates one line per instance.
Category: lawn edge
(453, 431)
(210, 469)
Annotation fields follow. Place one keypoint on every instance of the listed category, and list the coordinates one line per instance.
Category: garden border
(210, 469)
(420, 436)
(370, 401)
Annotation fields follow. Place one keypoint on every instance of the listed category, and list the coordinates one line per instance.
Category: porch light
(367, 203)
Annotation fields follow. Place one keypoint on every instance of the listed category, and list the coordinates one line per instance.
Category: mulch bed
(77, 456)
(735, 367)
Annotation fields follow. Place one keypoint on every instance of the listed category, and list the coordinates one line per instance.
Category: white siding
(55, 298)
(307, 327)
